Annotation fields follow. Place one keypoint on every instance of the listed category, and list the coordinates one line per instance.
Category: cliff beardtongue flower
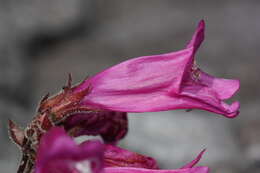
(58, 153)
(145, 84)
(118, 160)
(161, 82)
(136, 170)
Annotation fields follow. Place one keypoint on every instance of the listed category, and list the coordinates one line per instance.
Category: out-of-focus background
(42, 41)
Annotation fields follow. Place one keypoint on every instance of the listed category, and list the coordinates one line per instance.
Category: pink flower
(58, 153)
(161, 82)
(118, 160)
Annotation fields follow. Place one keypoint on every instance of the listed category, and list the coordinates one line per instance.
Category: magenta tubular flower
(161, 82)
(119, 160)
(124, 161)
(58, 153)
(141, 170)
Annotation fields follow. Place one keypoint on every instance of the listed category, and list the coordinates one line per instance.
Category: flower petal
(138, 85)
(195, 161)
(58, 153)
(197, 37)
(146, 74)
(142, 170)
(225, 88)
(161, 82)
(212, 91)
(118, 157)
(111, 126)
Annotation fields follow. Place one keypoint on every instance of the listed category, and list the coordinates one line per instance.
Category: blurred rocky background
(42, 41)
